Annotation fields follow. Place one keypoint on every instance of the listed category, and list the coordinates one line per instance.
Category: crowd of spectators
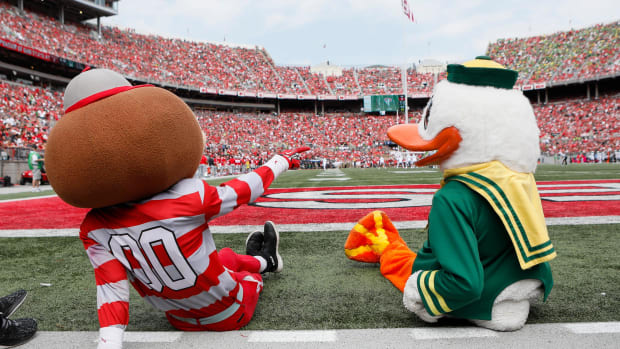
(583, 53)
(561, 56)
(345, 84)
(339, 137)
(572, 126)
(579, 126)
(567, 127)
(26, 114)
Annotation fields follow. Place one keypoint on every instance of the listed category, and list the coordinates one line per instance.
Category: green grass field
(319, 287)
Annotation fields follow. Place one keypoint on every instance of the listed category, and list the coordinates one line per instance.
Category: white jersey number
(175, 273)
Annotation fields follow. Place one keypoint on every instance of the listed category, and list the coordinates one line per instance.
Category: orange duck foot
(369, 238)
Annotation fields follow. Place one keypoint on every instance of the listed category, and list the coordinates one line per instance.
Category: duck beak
(407, 136)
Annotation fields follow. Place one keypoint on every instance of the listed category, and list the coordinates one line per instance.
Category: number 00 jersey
(163, 246)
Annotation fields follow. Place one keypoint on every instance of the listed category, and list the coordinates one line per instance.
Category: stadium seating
(193, 64)
(571, 126)
(579, 126)
(26, 114)
(562, 56)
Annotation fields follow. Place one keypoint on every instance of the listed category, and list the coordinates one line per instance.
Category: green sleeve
(458, 278)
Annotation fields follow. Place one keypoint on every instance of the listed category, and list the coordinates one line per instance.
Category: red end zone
(335, 205)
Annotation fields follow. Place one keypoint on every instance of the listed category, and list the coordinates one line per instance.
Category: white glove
(413, 301)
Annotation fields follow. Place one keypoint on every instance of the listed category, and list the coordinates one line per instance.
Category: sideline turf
(319, 287)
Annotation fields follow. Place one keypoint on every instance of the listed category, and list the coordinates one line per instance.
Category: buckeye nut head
(122, 148)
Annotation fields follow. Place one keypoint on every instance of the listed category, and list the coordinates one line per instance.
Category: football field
(321, 295)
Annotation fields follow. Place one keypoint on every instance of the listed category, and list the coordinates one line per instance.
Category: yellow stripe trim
(497, 209)
(427, 297)
(518, 234)
(530, 239)
(442, 302)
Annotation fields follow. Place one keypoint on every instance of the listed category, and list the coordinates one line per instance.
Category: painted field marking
(329, 179)
(593, 327)
(302, 228)
(330, 175)
(541, 335)
(451, 332)
(416, 171)
(30, 198)
(149, 337)
(293, 336)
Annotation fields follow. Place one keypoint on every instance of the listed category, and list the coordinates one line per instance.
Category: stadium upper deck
(585, 54)
(575, 124)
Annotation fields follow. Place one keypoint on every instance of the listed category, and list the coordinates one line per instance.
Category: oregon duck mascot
(487, 249)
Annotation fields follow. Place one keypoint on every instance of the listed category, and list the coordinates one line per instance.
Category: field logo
(381, 197)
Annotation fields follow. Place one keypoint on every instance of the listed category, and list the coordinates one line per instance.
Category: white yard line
(293, 336)
(555, 335)
(308, 227)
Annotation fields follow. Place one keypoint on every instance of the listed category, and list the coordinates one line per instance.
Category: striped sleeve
(112, 285)
(247, 188)
(460, 278)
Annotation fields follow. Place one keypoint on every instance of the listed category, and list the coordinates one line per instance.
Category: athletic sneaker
(270, 248)
(10, 303)
(254, 243)
(16, 332)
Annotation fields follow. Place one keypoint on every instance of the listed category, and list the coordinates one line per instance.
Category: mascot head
(475, 116)
(118, 142)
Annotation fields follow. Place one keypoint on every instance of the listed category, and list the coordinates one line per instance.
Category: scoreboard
(384, 103)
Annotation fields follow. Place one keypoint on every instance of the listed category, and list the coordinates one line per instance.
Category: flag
(407, 10)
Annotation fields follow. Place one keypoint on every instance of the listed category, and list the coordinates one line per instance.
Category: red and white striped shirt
(164, 247)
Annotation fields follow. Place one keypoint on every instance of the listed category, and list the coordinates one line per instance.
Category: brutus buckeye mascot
(129, 153)
(486, 255)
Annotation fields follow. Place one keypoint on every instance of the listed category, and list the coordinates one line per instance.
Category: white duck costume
(487, 252)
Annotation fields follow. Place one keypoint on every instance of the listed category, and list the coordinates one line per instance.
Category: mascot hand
(291, 156)
(413, 301)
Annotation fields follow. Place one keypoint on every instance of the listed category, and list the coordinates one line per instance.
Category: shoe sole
(15, 306)
(280, 262)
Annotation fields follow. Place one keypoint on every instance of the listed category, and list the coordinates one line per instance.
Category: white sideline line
(318, 227)
(292, 336)
(148, 337)
(458, 336)
(451, 332)
(593, 327)
(330, 179)
(152, 337)
(29, 198)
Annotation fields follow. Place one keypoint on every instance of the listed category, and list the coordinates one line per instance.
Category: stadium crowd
(579, 53)
(580, 126)
(562, 56)
(576, 127)
(568, 127)
(26, 114)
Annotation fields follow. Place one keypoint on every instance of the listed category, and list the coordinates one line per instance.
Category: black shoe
(16, 332)
(10, 303)
(270, 248)
(254, 243)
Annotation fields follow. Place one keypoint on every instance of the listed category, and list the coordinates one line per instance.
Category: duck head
(475, 116)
